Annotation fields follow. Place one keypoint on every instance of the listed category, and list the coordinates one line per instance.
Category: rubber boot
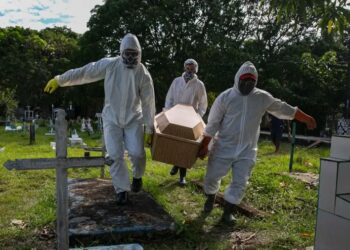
(182, 180)
(209, 203)
(227, 216)
(136, 185)
(122, 198)
(174, 170)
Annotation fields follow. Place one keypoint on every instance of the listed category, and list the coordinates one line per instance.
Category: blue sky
(39, 14)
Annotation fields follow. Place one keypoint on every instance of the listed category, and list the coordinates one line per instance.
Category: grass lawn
(28, 196)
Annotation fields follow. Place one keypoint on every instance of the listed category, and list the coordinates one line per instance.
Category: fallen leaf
(18, 223)
(308, 164)
(306, 235)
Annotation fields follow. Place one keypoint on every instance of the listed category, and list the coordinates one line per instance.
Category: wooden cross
(61, 163)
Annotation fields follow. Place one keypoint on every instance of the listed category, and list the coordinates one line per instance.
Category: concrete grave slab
(309, 179)
(116, 247)
(94, 215)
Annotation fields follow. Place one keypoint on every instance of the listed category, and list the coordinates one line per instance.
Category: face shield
(246, 83)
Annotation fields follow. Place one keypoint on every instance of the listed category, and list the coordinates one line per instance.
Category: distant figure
(277, 128)
(189, 90)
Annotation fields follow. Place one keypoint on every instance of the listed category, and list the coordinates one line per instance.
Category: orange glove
(305, 118)
(203, 150)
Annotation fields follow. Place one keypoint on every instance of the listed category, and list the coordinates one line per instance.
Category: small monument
(28, 114)
(52, 128)
(11, 127)
(86, 125)
(89, 128)
(52, 121)
(75, 139)
(99, 120)
(333, 212)
(83, 125)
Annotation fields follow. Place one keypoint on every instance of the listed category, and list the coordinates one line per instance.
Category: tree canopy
(299, 59)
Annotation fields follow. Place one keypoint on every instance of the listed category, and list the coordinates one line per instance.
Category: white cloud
(39, 14)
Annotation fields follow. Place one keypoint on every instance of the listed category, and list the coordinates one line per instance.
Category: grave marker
(61, 163)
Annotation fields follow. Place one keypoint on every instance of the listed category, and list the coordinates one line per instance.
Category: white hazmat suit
(191, 93)
(129, 103)
(189, 90)
(234, 120)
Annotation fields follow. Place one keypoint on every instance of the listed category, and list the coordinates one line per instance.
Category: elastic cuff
(207, 134)
(57, 78)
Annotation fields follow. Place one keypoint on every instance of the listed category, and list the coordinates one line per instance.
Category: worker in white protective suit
(128, 111)
(234, 124)
(189, 90)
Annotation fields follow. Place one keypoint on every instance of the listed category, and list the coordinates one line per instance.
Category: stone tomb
(95, 216)
(333, 211)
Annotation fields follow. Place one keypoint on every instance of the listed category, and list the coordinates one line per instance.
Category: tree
(8, 103)
(204, 30)
(29, 58)
(330, 15)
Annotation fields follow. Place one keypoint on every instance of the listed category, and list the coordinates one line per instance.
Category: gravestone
(52, 128)
(83, 125)
(75, 139)
(61, 163)
(94, 199)
(28, 114)
(52, 121)
(89, 126)
(11, 127)
(86, 125)
(333, 211)
(99, 121)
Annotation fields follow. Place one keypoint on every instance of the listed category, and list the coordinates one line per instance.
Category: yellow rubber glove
(51, 86)
(148, 139)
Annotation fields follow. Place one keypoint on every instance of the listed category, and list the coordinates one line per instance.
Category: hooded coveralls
(191, 93)
(129, 103)
(234, 120)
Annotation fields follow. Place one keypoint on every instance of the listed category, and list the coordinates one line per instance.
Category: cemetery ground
(27, 200)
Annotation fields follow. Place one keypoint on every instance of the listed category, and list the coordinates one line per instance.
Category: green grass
(29, 196)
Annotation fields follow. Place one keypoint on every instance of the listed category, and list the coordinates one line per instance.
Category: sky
(40, 14)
